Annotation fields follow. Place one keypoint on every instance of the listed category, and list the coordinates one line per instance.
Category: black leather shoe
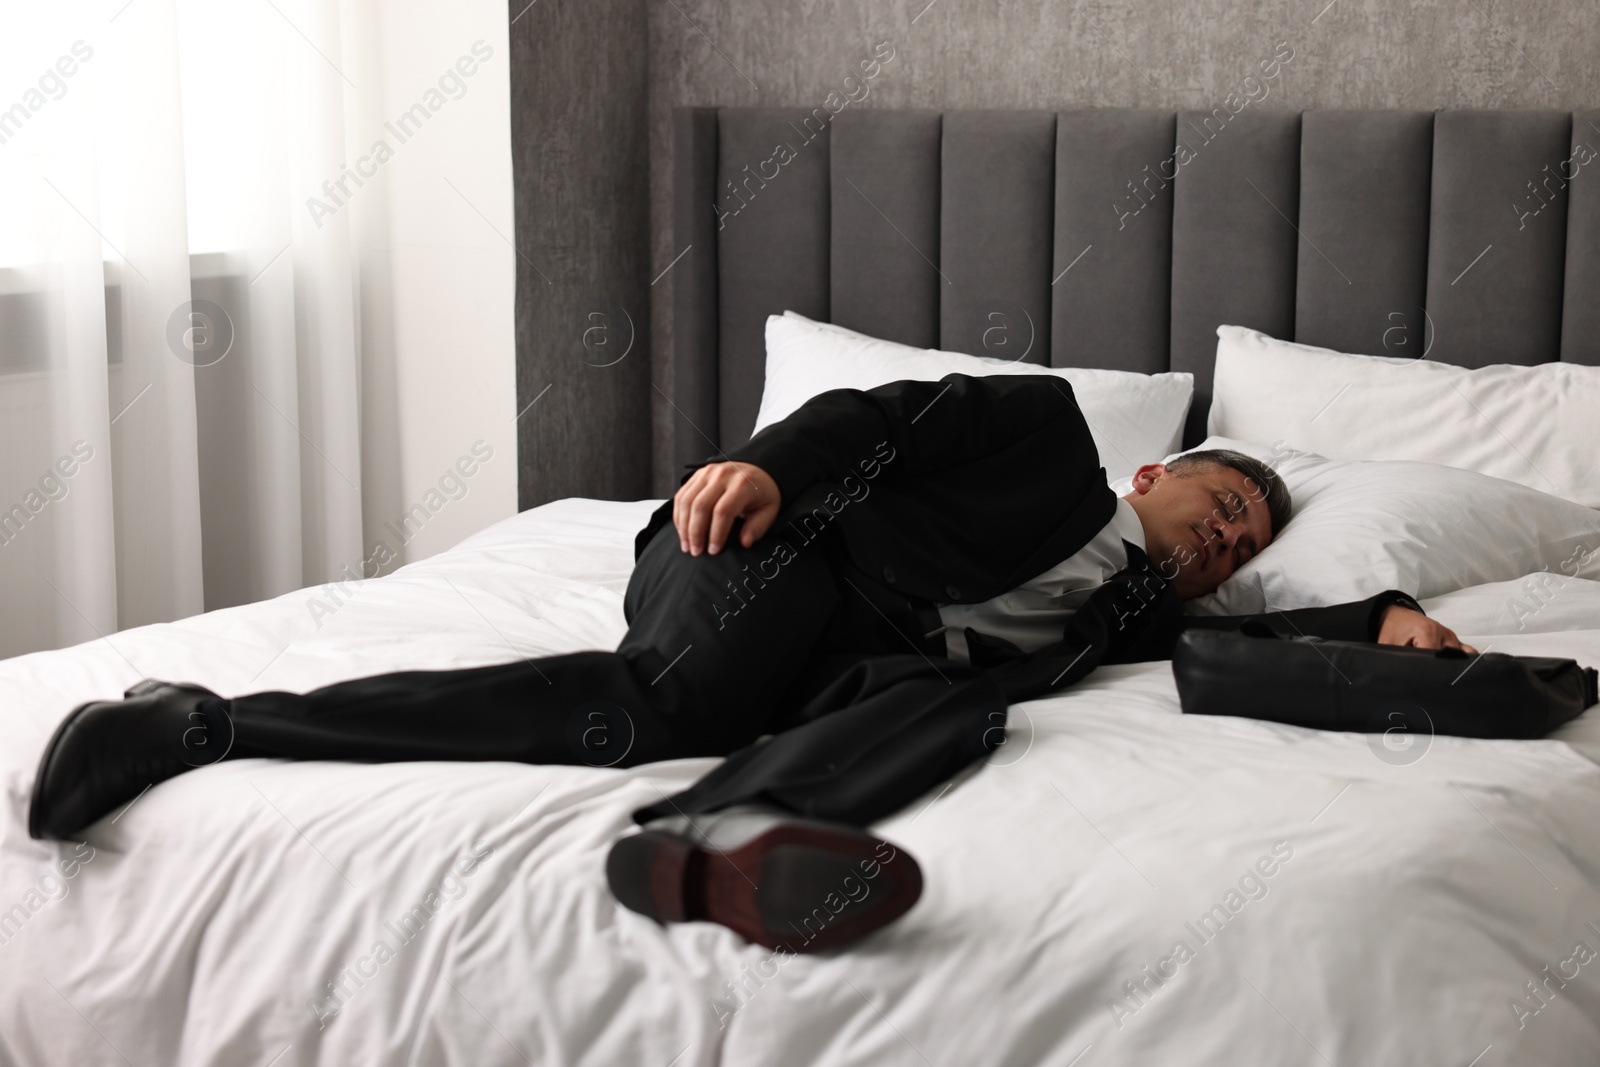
(105, 753)
(773, 878)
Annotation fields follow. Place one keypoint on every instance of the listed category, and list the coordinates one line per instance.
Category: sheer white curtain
(179, 427)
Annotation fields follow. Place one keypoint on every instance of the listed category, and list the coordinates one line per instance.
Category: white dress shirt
(1033, 615)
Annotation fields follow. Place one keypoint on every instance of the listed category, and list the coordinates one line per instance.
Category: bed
(1335, 901)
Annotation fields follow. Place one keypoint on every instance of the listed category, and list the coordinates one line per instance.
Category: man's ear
(1145, 478)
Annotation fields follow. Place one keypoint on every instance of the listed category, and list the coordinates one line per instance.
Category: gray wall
(594, 81)
(1035, 53)
(578, 157)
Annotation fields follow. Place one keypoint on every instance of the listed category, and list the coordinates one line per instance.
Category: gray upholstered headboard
(1123, 238)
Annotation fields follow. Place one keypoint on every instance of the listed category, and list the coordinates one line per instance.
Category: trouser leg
(883, 731)
(700, 672)
(582, 707)
(724, 640)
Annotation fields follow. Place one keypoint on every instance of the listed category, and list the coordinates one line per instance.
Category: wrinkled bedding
(1118, 884)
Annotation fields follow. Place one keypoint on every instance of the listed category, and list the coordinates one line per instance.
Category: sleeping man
(843, 607)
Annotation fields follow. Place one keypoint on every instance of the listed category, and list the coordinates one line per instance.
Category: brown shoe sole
(799, 886)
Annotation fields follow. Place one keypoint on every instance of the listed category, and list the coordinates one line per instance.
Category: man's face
(1201, 527)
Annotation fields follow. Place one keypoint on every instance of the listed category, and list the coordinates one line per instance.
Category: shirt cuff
(1381, 603)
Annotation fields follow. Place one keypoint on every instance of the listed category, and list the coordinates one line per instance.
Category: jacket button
(888, 575)
(952, 592)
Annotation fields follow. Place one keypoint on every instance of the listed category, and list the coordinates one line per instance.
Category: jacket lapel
(1088, 518)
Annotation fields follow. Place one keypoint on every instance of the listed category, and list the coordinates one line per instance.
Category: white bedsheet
(1410, 898)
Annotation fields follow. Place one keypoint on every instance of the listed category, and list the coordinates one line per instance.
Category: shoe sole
(35, 830)
(798, 887)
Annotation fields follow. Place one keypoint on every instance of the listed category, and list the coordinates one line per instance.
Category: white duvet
(1121, 884)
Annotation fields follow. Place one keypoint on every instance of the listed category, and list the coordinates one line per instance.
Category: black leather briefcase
(1350, 685)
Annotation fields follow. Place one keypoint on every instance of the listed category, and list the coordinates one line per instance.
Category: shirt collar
(1126, 525)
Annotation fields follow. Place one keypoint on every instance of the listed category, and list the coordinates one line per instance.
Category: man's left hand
(1402, 626)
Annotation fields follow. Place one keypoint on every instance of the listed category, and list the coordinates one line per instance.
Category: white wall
(437, 274)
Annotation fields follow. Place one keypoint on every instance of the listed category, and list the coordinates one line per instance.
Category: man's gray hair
(1265, 483)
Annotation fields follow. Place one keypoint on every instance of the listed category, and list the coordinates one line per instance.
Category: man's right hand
(714, 496)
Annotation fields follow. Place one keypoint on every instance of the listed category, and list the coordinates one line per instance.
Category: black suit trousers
(809, 678)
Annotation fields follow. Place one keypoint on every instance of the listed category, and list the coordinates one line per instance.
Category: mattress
(1118, 884)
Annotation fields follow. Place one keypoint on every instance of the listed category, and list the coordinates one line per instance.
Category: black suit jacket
(962, 489)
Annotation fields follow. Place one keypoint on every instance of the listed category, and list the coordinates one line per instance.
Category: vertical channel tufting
(885, 224)
(1363, 258)
(1497, 239)
(772, 242)
(1497, 213)
(1111, 279)
(1234, 245)
(997, 200)
(694, 286)
(1580, 329)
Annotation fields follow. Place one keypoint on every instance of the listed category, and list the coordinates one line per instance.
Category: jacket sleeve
(1136, 616)
(927, 427)
(1359, 620)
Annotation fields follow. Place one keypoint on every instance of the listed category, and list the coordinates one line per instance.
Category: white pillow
(1361, 527)
(1538, 426)
(1134, 418)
